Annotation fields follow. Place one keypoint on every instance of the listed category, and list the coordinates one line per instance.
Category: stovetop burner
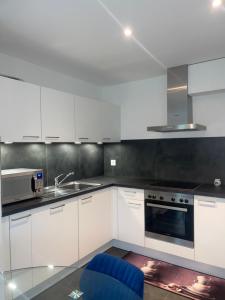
(175, 184)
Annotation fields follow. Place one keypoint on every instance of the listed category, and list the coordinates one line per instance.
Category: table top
(51, 282)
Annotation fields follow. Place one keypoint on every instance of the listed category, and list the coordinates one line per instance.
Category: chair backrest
(119, 269)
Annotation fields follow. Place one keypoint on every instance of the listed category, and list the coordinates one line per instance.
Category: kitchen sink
(68, 188)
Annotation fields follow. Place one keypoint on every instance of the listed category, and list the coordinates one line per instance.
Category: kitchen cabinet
(4, 245)
(96, 121)
(20, 240)
(88, 120)
(206, 77)
(131, 216)
(57, 110)
(95, 221)
(110, 129)
(210, 230)
(20, 115)
(55, 234)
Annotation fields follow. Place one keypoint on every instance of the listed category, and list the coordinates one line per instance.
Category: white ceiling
(79, 38)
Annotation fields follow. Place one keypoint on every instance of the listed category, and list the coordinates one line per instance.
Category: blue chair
(108, 277)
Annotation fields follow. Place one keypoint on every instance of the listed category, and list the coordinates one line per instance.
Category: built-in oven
(170, 217)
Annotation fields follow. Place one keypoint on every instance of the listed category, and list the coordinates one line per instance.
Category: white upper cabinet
(110, 117)
(210, 230)
(207, 77)
(20, 118)
(96, 121)
(57, 110)
(87, 120)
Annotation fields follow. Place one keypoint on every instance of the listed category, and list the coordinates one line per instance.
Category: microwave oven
(21, 184)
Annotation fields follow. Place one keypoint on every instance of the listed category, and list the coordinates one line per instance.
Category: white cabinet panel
(57, 115)
(170, 248)
(96, 121)
(110, 129)
(55, 234)
(88, 120)
(95, 221)
(131, 216)
(207, 77)
(20, 240)
(4, 245)
(210, 230)
(20, 116)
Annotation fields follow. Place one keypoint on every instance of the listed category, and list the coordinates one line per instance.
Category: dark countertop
(129, 182)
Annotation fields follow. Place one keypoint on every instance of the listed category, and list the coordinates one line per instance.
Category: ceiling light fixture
(128, 32)
(217, 3)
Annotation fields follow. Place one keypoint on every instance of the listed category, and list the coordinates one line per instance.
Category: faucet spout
(58, 183)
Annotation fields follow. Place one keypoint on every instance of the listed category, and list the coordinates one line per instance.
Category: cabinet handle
(133, 192)
(57, 206)
(136, 204)
(86, 200)
(31, 136)
(83, 138)
(209, 203)
(52, 137)
(17, 219)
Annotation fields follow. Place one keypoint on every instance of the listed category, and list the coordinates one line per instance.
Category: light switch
(113, 162)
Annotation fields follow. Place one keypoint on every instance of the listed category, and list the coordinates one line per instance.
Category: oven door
(170, 222)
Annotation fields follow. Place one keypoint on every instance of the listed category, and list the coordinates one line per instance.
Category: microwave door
(16, 189)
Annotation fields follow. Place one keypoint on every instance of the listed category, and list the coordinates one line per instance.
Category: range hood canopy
(179, 103)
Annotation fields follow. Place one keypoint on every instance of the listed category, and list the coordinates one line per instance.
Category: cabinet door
(55, 234)
(88, 120)
(95, 221)
(131, 216)
(57, 115)
(4, 245)
(20, 240)
(20, 119)
(110, 119)
(210, 230)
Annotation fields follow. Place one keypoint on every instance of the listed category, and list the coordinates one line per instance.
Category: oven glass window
(169, 221)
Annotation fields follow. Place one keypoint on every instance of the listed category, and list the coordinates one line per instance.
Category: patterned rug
(182, 281)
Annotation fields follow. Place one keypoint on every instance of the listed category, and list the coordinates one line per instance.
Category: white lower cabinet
(20, 240)
(55, 234)
(95, 221)
(210, 230)
(131, 216)
(4, 245)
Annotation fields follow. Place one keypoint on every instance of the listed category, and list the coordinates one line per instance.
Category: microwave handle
(33, 188)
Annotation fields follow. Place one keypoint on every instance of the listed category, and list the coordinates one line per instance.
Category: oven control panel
(171, 197)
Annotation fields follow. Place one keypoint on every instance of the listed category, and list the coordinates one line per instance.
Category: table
(51, 282)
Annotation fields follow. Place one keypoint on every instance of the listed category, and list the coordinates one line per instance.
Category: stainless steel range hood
(179, 103)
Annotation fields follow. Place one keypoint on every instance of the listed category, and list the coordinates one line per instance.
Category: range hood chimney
(179, 103)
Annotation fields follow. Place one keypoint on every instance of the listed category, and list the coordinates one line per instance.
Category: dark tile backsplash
(86, 160)
(190, 159)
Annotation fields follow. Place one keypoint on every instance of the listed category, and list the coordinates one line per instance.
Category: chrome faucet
(58, 183)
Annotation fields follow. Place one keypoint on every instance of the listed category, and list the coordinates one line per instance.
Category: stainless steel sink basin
(68, 188)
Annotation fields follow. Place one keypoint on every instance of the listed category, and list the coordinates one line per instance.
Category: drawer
(129, 193)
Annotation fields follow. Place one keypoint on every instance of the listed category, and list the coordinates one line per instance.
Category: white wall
(143, 103)
(41, 76)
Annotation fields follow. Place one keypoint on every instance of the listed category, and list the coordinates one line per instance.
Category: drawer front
(133, 194)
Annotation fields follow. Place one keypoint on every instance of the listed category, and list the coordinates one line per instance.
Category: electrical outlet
(113, 162)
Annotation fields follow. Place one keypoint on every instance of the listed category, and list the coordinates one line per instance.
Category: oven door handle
(168, 207)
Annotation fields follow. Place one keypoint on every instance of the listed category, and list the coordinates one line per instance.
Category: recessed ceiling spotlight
(217, 3)
(128, 32)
